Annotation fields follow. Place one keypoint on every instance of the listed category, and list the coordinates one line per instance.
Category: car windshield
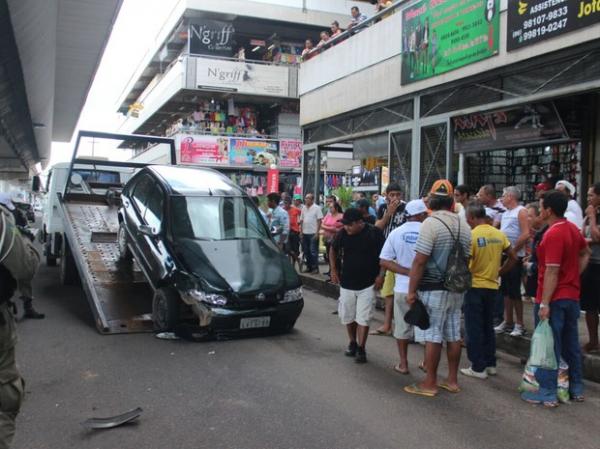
(216, 218)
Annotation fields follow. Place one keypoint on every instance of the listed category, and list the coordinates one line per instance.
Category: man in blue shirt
(280, 220)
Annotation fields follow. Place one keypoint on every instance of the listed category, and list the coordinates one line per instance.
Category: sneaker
(518, 331)
(361, 355)
(351, 351)
(469, 372)
(491, 371)
(501, 328)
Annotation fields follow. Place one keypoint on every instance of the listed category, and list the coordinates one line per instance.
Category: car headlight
(208, 298)
(292, 295)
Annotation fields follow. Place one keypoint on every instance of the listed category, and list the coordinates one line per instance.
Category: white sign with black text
(242, 77)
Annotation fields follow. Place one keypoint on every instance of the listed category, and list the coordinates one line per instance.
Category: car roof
(198, 181)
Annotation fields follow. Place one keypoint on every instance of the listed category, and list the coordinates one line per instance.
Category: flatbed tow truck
(120, 297)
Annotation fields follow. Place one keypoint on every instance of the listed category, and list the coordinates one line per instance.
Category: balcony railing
(381, 15)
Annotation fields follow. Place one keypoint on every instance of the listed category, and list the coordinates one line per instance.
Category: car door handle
(125, 203)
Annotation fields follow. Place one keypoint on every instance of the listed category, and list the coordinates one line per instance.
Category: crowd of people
(456, 254)
(335, 34)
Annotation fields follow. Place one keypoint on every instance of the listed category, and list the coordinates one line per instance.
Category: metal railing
(381, 15)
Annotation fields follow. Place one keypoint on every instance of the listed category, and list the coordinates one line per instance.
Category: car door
(154, 250)
(134, 206)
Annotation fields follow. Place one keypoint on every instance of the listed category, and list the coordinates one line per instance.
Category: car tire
(122, 240)
(165, 309)
(68, 270)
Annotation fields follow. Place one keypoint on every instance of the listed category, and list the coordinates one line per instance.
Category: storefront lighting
(256, 48)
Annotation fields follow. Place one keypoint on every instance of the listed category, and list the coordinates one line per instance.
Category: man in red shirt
(562, 255)
(293, 243)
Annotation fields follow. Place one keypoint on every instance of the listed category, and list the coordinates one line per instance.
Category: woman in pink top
(331, 225)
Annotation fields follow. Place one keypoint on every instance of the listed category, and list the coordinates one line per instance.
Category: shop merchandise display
(523, 167)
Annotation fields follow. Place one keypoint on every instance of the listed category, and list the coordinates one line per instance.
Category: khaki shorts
(402, 330)
(388, 284)
(356, 306)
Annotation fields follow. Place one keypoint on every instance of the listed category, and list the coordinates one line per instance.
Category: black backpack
(457, 277)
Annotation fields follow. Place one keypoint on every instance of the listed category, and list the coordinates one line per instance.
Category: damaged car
(207, 252)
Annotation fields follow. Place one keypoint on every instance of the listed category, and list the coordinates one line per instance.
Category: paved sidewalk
(516, 346)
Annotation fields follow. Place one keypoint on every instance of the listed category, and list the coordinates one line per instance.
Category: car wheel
(68, 270)
(124, 251)
(165, 309)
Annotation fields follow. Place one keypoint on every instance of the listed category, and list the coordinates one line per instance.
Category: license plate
(254, 323)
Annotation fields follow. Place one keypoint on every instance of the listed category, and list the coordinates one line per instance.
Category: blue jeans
(310, 247)
(564, 316)
(479, 308)
(499, 305)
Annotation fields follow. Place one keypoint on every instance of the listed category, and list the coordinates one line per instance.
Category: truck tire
(165, 309)
(68, 270)
(122, 240)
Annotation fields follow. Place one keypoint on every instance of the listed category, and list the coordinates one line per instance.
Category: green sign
(443, 35)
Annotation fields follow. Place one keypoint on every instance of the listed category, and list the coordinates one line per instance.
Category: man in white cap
(574, 213)
(397, 257)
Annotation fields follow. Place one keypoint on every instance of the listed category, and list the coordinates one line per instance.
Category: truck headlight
(292, 295)
(207, 298)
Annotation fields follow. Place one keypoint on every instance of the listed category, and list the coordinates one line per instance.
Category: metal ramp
(118, 294)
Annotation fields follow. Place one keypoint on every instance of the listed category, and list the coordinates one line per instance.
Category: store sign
(443, 35)
(533, 21)
(203, 150)
(241, 77)
(508, 128)
(258, 152)
(212, 37)
(290, 153)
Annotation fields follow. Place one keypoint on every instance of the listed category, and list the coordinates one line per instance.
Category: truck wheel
(165, 309)
(124, 251)
(68, 270)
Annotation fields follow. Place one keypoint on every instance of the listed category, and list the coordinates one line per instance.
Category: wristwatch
(543, 306)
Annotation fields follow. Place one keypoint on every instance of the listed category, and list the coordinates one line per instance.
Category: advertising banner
(290, 153)
(533, 21)
(443, 35)
(242, 77)
(507, 128)
(272, 181)
(253, 152)
(203, 150)
(212, 37)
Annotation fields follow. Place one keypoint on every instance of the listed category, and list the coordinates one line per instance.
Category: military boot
(30, 312)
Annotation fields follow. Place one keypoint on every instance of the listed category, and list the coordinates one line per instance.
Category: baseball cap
(442, 187)
(363, 202)
(418, 316)
(415, 207)
(542, 187)
(351, 215)
(570, 187)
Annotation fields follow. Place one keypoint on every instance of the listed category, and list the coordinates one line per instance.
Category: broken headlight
(213, 299)
(292, 295)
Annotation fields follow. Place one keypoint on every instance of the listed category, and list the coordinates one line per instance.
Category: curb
(515, 346)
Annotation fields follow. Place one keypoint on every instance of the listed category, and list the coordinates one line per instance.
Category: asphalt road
(290, 391)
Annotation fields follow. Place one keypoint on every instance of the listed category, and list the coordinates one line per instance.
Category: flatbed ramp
(119, 296)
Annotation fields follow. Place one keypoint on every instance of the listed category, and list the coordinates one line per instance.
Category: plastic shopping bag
(530, 383)
(542, 347)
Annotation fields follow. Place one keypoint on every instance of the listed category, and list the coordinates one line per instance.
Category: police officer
(11, 383)
(26, 252)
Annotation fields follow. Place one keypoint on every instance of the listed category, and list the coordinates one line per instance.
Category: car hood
(244, 266)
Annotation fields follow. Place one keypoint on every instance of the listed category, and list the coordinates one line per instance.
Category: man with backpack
(439, 276)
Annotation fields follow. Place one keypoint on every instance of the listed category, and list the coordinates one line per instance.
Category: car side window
(154, 210)
(141, 192)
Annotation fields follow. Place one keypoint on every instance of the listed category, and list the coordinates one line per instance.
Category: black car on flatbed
(207, 253)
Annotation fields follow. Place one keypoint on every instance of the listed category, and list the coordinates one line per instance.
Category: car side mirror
(150, 231)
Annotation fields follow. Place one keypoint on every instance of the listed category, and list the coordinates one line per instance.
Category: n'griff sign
(533, 21)
(212, 37)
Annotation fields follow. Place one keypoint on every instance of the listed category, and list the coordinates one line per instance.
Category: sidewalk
(515, 346)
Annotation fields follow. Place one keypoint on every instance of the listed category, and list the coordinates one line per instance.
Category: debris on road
(113, 421)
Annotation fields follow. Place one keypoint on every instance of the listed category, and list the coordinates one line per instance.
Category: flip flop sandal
(447, 387)
(380, 332)
(415, 389)
(400, 371)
